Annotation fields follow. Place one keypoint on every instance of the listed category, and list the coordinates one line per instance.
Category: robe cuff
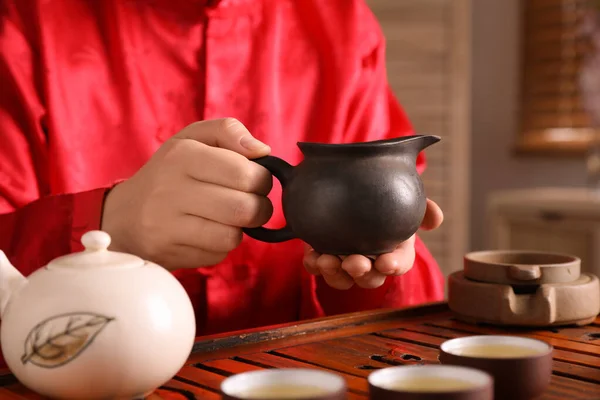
(86, 214)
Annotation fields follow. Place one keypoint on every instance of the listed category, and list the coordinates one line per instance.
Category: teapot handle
(282, 171)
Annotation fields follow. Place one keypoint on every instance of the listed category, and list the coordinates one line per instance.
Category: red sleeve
(34, 227)
(374, 113)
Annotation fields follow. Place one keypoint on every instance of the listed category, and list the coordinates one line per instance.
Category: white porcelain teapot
(94, 325)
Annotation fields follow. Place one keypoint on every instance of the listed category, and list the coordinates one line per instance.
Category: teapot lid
(96, 255)
(521, 267)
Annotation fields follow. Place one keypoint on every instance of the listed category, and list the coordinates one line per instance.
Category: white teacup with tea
(423, 381)
(285, 383)
(493, 346)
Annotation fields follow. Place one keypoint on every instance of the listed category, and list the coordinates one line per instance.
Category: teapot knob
(95, 240)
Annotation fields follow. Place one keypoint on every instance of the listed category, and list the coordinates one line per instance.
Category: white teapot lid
(96, 255)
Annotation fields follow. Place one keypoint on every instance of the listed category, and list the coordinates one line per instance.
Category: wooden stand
(546, 305)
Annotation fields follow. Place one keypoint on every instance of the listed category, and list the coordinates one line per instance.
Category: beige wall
(495, 112)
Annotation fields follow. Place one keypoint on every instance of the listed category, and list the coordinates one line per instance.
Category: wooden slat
(409, 10)
(336, 358)
(441, 254)
(399, 66)
(553, 16)
(244, 348)
(536, 53)
(556, 37)
(9, 395)
(416, 101)
(591, 374)
(416, 37)
(577, 371)
(391, 351)
(562, 120)
(229, 367)
(187, 390)
(553, 104)
(205, 379)
(438, 171)
(551, 87)
(539, 5)
(421, 334)
(435, 336)
(268, 360)
(568, 345)
(560, 69)
(433, 236)
(434, 126)
(19, 390)
(435, 185)
(254, 340)
(173, 390)
(420, 81)
(437, 248)
(572, 389)
(435, 157)
(588, 334)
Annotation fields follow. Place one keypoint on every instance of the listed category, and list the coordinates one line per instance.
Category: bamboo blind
(421, 50)
(553, 117)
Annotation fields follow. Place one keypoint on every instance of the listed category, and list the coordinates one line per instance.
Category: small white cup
(423, 381)
(313, 384)
(529, 347)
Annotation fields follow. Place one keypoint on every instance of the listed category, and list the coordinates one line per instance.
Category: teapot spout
(11, 281)
(421, 142)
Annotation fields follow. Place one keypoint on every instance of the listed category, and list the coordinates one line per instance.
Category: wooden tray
(356, 344)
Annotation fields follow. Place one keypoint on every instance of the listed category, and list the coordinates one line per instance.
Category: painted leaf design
(60, 339)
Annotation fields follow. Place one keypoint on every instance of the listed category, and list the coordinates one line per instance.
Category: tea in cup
(521, 367)
(285, 383)
(422, 382)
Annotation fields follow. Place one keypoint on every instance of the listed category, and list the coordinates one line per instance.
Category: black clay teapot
(358, 198)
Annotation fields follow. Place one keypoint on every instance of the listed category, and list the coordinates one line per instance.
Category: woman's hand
(187, 205)
(344, 272)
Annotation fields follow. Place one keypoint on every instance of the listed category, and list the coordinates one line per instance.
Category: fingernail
(251, 143)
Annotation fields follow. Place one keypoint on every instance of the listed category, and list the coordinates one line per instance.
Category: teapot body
(354, 198)
(354, 203)
(98, 333)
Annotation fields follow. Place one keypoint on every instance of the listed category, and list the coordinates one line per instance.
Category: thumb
(433, 216)
(226, 133)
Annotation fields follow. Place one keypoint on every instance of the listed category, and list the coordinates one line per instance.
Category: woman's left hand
(343, 272)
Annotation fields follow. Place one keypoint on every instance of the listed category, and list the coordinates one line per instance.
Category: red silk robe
(90, 89)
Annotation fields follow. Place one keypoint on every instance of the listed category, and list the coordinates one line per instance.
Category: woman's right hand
(186, 206)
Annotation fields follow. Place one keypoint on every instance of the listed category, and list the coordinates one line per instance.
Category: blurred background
(510, 86)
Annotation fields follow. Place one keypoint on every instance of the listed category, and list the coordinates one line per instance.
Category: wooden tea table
(356, 344)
